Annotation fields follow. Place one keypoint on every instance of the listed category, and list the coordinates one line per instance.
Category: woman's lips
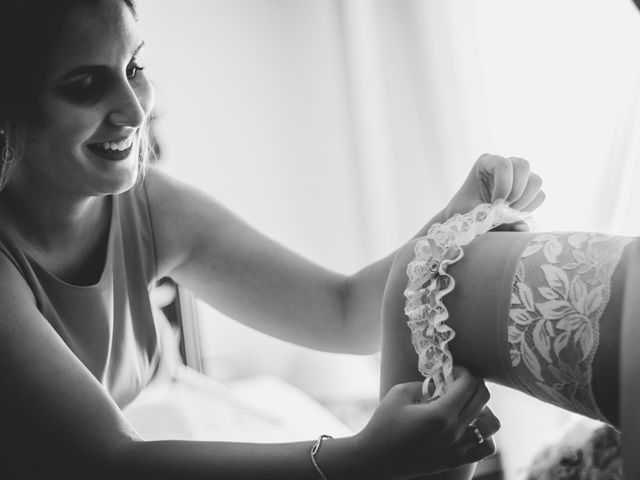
(109, 153)
(113, 155)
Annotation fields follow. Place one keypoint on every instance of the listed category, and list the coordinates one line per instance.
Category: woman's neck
(49, 222)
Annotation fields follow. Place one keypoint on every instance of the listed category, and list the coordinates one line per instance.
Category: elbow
(121, 461)
(360, 335)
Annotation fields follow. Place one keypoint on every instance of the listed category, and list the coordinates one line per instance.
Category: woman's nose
(127, 109)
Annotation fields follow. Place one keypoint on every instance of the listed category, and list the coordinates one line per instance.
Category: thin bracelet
(314, 450)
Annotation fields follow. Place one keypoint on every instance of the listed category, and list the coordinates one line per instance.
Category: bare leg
(630, 359)
(479, 310)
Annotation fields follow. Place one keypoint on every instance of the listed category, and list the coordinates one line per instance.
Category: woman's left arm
(262, 284)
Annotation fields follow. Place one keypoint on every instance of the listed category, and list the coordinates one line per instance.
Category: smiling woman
(94, 94)
(56, 100)
(84, 234)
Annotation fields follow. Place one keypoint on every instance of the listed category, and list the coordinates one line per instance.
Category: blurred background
(340, 127)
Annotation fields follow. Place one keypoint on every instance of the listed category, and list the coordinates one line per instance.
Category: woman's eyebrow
(85, 69)
(92, 68)
(140, 47)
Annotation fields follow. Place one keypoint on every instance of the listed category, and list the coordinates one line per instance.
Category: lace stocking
(561, 287)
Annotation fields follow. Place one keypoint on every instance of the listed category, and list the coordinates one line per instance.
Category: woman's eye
(133, 70)
(85, 82)
(84, 89)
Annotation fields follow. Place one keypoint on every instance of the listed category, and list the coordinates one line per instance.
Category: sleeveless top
(109, 325)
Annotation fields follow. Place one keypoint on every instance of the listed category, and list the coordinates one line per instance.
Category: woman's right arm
(59, 422)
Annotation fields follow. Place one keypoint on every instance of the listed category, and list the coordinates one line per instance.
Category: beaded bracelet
(314, 450)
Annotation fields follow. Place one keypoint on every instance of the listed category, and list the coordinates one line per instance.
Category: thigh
(478, 307)
(606, 364)
(630, 359)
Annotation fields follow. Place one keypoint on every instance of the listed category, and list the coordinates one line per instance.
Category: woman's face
(96, 98)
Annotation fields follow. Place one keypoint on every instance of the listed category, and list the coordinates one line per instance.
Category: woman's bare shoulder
(174, 201)
(13, 286)
(184, 219)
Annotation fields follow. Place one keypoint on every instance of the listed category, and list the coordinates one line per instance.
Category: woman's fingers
(521, 171)
(486, 423)
(476, 442)
(461, 394)
(510, 179)
(531, 193)
(500, 173)
(493, 179)
(512, 227)
(536, 202)
(480, 451)
(466, 401)
(475, 404)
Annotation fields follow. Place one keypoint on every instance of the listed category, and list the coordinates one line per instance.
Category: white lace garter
(429, 282)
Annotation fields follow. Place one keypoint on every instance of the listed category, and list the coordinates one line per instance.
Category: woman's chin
(125, 182)
(118, 170)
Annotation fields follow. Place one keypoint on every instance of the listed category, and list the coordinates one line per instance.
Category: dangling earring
(7, 157)
(8, 153)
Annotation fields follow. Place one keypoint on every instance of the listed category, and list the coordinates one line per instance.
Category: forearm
(363, 294)
(462, 473)
(189, 460)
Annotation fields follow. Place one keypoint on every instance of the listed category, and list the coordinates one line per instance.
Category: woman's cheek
(146, 95)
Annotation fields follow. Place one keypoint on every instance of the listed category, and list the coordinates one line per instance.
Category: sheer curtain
(254, 107)
(554, 82)
(340, 126)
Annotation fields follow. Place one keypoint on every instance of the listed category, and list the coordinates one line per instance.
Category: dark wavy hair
(28, 31)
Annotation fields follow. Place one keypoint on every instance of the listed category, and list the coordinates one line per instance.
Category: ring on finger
(476, 432)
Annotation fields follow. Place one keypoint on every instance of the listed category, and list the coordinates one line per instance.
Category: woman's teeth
(117, 146)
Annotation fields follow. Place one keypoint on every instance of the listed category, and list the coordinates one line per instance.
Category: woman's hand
(494, 178)
(408, 437)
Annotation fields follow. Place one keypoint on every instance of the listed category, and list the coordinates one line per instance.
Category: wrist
(348, 458)
(452, 209)
(445, 214)
(441, 217)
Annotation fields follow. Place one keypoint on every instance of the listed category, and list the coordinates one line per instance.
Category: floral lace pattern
(560, 289)
(429, 282)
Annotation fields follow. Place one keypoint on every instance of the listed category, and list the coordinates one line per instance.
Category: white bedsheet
(259, 409)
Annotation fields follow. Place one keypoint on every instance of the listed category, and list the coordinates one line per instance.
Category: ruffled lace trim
(429, 282)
